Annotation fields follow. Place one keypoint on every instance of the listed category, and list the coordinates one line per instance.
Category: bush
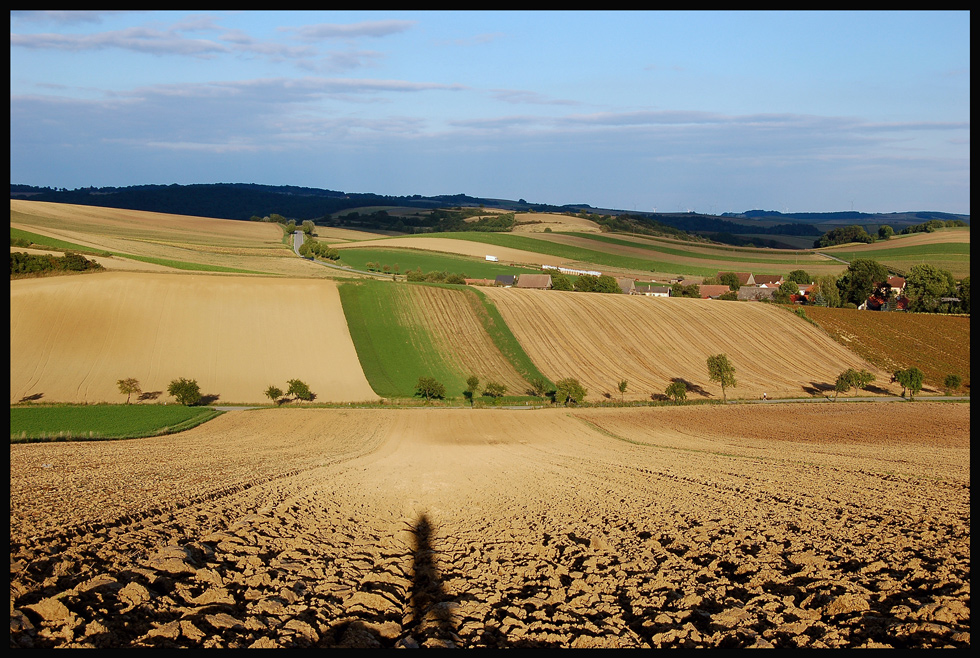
(300, 390)
(273, 393)
(569, 390)
(677, 390)
(494, 390)
(186, 391)
(952, 383)
(429, 387)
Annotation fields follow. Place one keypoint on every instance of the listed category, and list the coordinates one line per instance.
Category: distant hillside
(763, 228)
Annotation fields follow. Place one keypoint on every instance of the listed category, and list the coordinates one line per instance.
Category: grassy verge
(102, 421)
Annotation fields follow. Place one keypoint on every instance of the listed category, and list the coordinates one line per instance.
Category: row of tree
(23, 263)
(187, 391)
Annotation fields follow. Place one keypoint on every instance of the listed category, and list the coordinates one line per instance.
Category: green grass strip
(685, 253)
(393, 352)
(102, 421)
(503, 338)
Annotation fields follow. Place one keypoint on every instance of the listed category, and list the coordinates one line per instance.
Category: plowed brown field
(73, 337)
(805, 525)
(603, 339)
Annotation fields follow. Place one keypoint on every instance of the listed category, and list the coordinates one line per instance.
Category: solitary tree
(300, 390)
(472, 383)
(677, 390)
(952, 383)
(129, 386)
(622, 390)
(186, 391)
(429, 387)
(911, 380)
(274, 393)
(539, 387)
(569, 390)
(722, 371)
(799, 276)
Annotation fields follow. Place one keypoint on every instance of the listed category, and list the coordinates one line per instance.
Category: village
(889, 296)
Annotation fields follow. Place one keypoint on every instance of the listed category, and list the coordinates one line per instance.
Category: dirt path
(487, 528)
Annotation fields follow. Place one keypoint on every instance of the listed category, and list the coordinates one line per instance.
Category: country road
(298, 242)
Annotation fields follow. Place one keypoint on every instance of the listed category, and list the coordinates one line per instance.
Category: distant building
(650, 289)
(755, 293)
(768, 280)
(628, 286)
(505, 280)
(712, 291)
(744, 278)
(534, 281)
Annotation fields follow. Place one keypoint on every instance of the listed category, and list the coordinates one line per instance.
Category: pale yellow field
(603, 339)
(73, 337)
(254, 246)
(531, 222)
(108, 262)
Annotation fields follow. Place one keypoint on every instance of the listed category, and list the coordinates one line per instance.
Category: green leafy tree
(729, 279)
(926, 285)
(952, 383)
(608, 284)
(799, 276)
(677, 389)
(622, 390)
(308, 227)
(722, 371)
(494, 389)
(472, 383)
(859, 281)
(429, 388)
(539, 387)
(129, 386)
(852, 378)
(273, 393)
(885, 232)
(826, 287)
(561, 282)
(911, 380)
(186, 391)
(300, 390)
(569, 390)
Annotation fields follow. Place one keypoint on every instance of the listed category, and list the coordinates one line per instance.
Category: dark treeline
(23, 263)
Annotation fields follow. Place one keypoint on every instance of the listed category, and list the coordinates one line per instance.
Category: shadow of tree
(149, 395)
(818, 388)
(209, 399)
(32, 398)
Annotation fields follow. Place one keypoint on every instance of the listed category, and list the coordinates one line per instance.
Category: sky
(648, 111)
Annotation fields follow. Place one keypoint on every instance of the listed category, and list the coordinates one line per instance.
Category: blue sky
(668, 111)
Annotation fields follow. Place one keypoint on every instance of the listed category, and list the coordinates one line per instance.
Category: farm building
(897, 284)
(744, 278)
(754, 293)
(505, 280)
(769, 280)
(712, 291)
(534, 281)
(878, 303)
(650, 289)
(628, 286)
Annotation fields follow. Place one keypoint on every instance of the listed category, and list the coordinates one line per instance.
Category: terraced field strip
(451, 318)
(428, 261)
(938, 345)
(603, 339)
(393, 346)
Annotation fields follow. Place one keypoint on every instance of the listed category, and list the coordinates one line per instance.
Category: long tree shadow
(32, 398)
(431, 607)
(692, 387)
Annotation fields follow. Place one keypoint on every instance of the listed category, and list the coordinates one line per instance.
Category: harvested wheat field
(603, 339)
(73, 337)
(458, 247)
(804, 525)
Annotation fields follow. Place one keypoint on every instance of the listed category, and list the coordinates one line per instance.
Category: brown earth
(753, 525)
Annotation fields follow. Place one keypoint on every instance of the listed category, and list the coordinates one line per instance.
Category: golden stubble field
(755, 525)
(649, 341)
(73, 337)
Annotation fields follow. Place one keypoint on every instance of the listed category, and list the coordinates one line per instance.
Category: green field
(576, 254)
(428, 261)
(726, 255)
(393, 352)
(951, 256)
(102, 421)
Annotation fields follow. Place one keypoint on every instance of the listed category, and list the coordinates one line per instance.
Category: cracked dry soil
(809, 525)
